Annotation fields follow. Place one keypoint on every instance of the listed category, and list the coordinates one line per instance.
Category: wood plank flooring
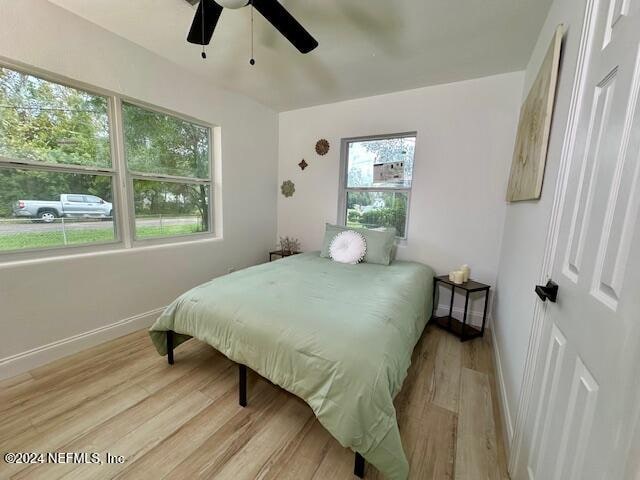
(184, 421)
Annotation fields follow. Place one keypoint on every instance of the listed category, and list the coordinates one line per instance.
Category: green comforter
(338, 336)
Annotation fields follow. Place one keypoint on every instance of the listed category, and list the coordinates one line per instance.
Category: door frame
(541, 310)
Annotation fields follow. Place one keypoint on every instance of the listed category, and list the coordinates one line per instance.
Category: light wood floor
(184, 421)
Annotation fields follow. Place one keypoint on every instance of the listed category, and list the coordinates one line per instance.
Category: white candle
(466, 271)
(458, 277)
(451, 275)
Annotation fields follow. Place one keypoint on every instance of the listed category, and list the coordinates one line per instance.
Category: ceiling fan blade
(284, 22)
(201, 34)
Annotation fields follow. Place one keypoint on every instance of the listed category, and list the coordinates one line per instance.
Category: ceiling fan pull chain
(203, 54)
(252, 61)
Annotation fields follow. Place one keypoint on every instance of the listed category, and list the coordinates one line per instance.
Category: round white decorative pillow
(348, 247)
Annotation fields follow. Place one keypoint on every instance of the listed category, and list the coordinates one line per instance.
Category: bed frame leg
(358, 467)
(170, 347)
(242, 384)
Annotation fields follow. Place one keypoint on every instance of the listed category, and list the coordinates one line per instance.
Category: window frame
(121, 177)
(132, 175)
(344, 188)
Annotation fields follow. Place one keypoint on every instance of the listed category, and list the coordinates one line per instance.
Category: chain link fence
(27, 233)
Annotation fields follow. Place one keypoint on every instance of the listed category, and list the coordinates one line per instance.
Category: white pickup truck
(70, 205)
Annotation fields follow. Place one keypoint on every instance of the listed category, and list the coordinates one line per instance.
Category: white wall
(526, 223)
(47, 301)
(466, 132)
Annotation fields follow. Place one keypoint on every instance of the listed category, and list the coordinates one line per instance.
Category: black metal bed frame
(358, 467)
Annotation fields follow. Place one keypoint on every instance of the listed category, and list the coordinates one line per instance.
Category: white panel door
(586, 380)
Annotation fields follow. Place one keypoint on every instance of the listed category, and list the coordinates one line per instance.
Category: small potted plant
(289, 246)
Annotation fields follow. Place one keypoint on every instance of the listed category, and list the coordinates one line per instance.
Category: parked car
(70, 205)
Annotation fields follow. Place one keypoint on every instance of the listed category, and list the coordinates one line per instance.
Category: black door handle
(548, 291)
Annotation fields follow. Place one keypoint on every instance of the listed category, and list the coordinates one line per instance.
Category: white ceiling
(367, 47)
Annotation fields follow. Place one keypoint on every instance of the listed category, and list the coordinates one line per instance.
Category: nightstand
(451, 324)
(281, 253)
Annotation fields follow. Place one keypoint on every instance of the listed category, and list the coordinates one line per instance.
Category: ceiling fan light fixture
(233, 4)
(208, 14)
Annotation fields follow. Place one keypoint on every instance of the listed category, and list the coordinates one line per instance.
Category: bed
(338, 336)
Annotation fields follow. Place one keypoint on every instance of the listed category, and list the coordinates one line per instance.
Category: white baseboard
(473, 317)
(25, 361)
(504, 405)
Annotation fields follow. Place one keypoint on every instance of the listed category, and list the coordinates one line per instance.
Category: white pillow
(348, 247)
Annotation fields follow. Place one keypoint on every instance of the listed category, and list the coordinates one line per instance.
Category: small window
(378, 175)
(169, 162)
(76, 198)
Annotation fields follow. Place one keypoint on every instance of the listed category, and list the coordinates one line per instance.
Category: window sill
(32, 257)
(401, 242)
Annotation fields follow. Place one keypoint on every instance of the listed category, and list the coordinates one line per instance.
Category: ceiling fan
(208, 13)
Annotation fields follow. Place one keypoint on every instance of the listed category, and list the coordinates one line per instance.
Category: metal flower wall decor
(288, 188)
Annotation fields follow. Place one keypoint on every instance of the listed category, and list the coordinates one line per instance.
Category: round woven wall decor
(322, 146)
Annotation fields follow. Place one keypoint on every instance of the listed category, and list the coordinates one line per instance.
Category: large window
(61, 180)
(169, 162)
(376, 181)
(54, 149)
